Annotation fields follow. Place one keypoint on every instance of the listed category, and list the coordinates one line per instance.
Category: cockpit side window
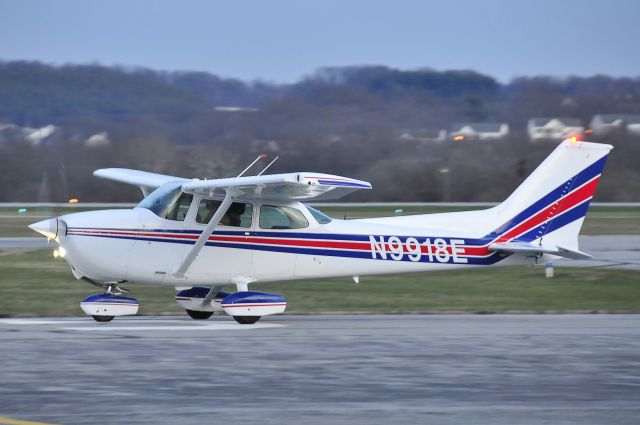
(278, 217)
(238, 215)
(178, 211)
(168, 201)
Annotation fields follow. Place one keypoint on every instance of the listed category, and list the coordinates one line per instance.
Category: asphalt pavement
(463, 369)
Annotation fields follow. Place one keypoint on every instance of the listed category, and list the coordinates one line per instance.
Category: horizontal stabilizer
(525, 248)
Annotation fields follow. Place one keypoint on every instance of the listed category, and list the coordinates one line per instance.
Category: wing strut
(215, 220)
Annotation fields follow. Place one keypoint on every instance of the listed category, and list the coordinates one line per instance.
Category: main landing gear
(204, 315)
(246, 307)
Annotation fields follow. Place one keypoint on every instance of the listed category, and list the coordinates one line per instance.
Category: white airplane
(200, 235)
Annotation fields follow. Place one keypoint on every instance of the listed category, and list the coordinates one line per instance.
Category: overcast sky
(284, 40)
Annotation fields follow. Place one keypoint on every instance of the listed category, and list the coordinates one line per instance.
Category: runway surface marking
(207, 327)
(136, 325)
(10, 421)
(28, 322)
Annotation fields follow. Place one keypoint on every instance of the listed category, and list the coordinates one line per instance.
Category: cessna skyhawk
(201, 235)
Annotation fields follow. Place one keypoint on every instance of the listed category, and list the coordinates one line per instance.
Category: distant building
(98, 139)
(553, 128)
(34, 136)
(235, 109)
(37, 136)
(479, 131)
(10, 133)
(422, 135)
(606, 124)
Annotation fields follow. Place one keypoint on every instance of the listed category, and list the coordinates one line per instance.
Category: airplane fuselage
(136, 245)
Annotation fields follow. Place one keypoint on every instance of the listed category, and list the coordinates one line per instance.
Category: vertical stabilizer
(550, 205)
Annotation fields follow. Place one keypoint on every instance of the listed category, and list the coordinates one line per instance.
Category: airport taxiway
(471, 369)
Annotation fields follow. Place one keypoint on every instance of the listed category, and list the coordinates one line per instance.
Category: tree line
(343, 120)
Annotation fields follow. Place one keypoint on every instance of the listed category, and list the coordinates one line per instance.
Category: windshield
(168, 201)
(320, 217)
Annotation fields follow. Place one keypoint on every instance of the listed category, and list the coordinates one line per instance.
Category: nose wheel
(103, 319)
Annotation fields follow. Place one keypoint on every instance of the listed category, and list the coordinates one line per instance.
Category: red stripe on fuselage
(574, 198)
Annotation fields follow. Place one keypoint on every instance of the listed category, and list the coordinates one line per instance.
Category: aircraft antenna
(269, 165)
(261, 156)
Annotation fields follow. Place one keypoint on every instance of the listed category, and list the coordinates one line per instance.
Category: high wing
(145, 180)
(301, 186)
(290, 186)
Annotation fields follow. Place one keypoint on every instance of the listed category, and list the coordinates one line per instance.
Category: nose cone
(48, 228)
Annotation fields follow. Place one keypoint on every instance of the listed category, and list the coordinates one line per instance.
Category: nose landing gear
(105, 306)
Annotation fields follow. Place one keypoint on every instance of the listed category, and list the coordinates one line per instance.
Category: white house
(605, 124)
(98, 139)
(425, 135)
(479, 131)
(553, 128)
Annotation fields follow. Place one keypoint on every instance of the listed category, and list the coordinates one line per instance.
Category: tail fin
(550, 205)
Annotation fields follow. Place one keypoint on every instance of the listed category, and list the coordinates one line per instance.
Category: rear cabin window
(320, 217)
(275, 217)
(238, 214)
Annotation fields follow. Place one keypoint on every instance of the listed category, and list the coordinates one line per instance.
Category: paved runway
(473, 369)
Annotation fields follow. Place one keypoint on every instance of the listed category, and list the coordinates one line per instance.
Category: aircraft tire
(103, 319)
(246, 320)
(199, 315)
